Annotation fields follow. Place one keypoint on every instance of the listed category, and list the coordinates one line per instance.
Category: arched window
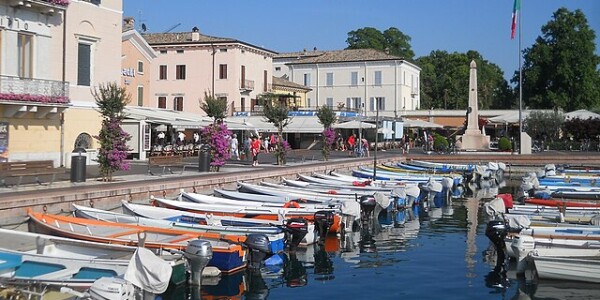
(84, 141)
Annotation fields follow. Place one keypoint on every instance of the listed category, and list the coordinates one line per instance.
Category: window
(277, 68)
(308, 102)
(222, 50)
(140, 95)
(378, 78)
(163, 51)
(162, 73)
(180, 72)
(25, 55)
(180, 51)
(353, 103)
(84, 141)
(354, 78)
(329, 79)
(379, 101)
(84, 64)
(178, 104)
(140, 67)
(243, 75)
(223, 71)
(307, 79)
(330, 102)
(162, 102)
(243, 104)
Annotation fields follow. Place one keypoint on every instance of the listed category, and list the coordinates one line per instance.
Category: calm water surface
(439, 254)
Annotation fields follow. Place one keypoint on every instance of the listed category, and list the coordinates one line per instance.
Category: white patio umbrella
(582, 114)
(354, 125)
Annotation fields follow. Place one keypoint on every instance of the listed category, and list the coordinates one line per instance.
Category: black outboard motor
(295, 231)
(259, 249)
(367, 206)
(323, 221)
(198, 253)
(496, 231)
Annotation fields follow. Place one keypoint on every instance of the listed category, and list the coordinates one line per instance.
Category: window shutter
(83, 64)
(372, 104)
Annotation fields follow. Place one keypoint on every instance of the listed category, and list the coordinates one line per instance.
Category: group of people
(253, 145)
(352, 145)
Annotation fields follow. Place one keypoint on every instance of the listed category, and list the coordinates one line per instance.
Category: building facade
(191, 65)
(363, 80)
(53, 53)
(137, 60)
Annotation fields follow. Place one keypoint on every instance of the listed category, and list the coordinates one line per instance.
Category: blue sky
(287, 26)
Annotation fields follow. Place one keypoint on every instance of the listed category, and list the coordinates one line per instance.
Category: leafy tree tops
(392, 40)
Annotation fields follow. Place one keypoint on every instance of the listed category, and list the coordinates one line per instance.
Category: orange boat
(228, 255)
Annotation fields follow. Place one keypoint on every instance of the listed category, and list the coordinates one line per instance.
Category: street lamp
(376, 135)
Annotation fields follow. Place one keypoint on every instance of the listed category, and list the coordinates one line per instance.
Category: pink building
(190, 64)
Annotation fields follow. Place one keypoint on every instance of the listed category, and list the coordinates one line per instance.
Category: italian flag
(516, 8)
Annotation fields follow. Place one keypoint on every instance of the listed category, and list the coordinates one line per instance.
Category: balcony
(39, 96)
(246, 85)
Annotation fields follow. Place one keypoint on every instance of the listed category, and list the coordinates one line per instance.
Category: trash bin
(78, 165)
(204, 158)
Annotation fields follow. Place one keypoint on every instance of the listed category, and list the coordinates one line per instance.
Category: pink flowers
(217, 135)
(58, 2)
(34, 98)
(328, 140)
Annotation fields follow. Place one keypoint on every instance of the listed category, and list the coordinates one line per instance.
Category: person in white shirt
(234, 147)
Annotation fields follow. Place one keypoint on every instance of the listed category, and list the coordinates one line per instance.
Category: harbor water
(437, 253)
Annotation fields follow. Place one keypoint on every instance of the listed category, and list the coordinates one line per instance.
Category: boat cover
(148, 271)
(495, 208)
(383, 200)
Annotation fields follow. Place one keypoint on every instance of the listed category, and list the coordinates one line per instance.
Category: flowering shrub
(58, 2)
(113, 139)
(217, 136)
(283, 147)
(328, 140)
(34, 98)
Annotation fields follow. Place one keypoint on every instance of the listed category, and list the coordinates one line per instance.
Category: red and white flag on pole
(516, 8)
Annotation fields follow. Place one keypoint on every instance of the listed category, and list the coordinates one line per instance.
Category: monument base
(475, 142)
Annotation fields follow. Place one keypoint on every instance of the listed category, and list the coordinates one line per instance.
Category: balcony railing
(247, 85)
(33, 90)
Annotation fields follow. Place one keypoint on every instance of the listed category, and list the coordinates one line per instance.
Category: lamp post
(376, 135)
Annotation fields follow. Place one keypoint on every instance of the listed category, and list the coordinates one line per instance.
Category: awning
(582, 114)
(354, 125)
(509, 118)
(408, 123)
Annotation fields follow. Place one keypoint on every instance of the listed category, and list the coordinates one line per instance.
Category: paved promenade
(137, 185)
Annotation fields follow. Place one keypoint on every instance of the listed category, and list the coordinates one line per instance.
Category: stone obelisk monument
(474, 139)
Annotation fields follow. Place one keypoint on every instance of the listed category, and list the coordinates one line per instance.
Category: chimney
(315, 49)
(195, 34)
(128, 23)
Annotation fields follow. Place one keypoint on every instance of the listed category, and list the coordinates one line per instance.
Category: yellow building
(292, 94)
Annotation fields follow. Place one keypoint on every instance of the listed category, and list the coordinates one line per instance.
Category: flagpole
(520, 20)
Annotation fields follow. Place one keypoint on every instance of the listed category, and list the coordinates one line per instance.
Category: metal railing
(247, 85)
(33, 90)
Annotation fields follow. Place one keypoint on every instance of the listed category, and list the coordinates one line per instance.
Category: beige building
(190, 64)
(51, 58)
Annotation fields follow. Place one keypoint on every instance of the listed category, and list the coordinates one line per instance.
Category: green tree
(445, 81)
(111, 101)
(392, 40)
(214, 107)
(560, 70)
(277, 114)
(327, 117)
(544, 126)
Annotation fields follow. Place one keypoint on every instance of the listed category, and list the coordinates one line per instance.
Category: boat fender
(291, 204)
(332, 192)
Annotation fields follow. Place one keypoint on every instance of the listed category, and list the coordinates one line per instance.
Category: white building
(351, 79)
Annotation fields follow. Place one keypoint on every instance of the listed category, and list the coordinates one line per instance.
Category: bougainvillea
(34, 98)
(112, 154)
(328, 140)
(58, 2)
(281, 151)
(217, 136)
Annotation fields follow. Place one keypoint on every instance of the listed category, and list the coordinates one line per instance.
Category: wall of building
(131, 77)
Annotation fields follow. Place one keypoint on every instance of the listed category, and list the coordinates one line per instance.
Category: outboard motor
(198, 253)
(259, 247)
(367, 206)
(295, 231)
(112, 288)
(496, 231)
(323, 221)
